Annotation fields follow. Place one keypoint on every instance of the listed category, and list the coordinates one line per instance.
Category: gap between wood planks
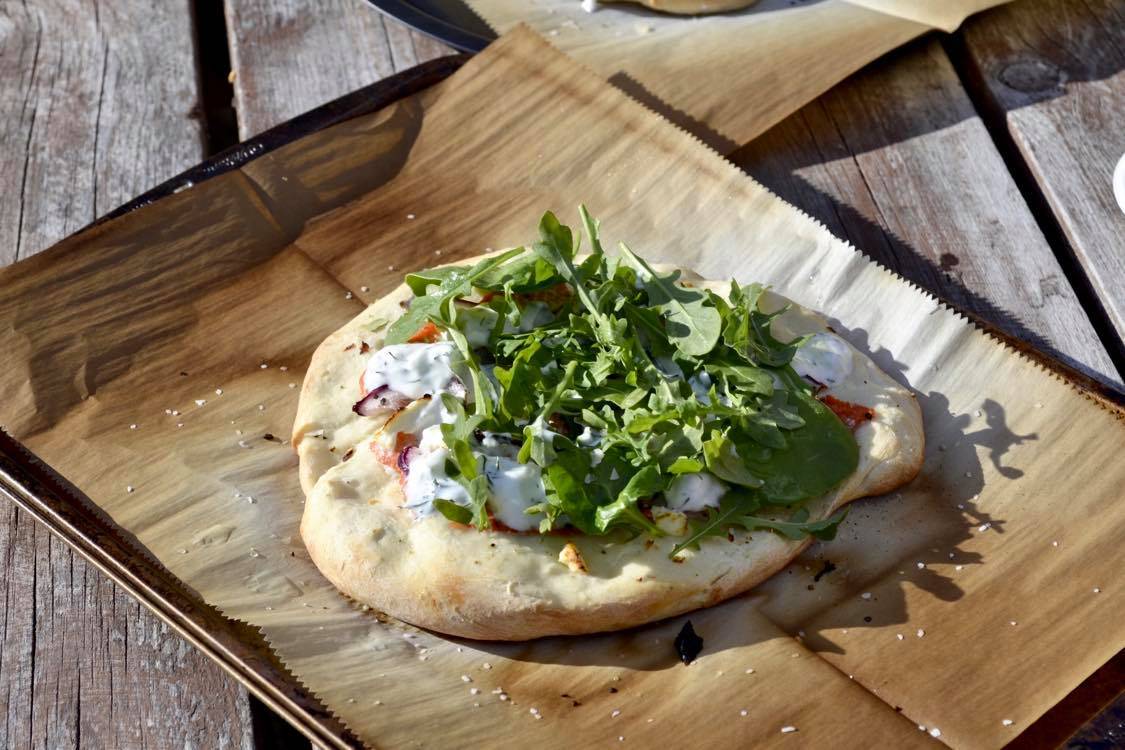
(995, 122)
(216, 90)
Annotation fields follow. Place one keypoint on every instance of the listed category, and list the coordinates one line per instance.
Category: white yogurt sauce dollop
(694, 492)
(825, 358)
(515, 488)
(414, 370)
(427, 479)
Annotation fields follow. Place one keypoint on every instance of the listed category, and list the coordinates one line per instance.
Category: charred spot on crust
(829, 566)
(688, 644)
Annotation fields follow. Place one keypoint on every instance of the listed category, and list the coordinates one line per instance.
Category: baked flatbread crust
(505, 586)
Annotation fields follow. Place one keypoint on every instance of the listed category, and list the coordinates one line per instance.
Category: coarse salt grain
(243, 444)
(132, 427)
(1012, 623)
(504, 697)
(865, 595)
(614, 713)
(128, 488)
(1054, 544)
(486, 665)
(365, 289)
(1097, 590)
(292, 385)
(466, 678)
(474, 691)
(899, 636)
(958, 567)
(348, 295)
(390, 268)
(749, 671)
(200, 401)
(410, 216)
(935, 732)
(921, 565)
(787, 730)
(920, 632)
(1008, 722)
(743, 712)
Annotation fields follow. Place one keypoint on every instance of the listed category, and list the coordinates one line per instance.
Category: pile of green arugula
(618, 360)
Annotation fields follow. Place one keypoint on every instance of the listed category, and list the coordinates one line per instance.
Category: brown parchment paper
(729, 77)
(155, 361)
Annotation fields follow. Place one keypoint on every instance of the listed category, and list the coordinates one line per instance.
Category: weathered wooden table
(978, 166)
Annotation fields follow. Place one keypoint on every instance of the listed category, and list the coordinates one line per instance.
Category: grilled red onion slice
(381, 399)
(405, 457)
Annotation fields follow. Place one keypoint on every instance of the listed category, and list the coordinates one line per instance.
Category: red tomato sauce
(853, 415)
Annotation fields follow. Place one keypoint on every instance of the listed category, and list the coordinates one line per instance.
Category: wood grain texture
(896, 161)
(96, 105)
(292, 55)
(1055, 71)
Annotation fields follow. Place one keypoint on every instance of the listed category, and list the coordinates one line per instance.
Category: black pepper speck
(688, 644)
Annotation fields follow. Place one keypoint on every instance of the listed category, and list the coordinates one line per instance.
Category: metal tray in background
(448, 21)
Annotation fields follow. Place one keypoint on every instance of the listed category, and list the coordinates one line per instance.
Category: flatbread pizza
(544, 442)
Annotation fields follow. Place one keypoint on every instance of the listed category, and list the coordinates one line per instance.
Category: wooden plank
(96, 105)
(896, 161)
(292, 55)
(1054, 71)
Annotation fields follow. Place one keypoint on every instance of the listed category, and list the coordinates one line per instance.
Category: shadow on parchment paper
(930, 518)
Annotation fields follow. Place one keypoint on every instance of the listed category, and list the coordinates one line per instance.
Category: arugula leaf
(524, 274)
(454, 512)
(538, 440)
(624, 512)
(736, 503)
(736, 509)
(816, 457)
(420, 281)
(612, 347)
(798, 526)
(457, 435)
(452, 285)
(569, 494)
(724, 462)
(692, 325)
